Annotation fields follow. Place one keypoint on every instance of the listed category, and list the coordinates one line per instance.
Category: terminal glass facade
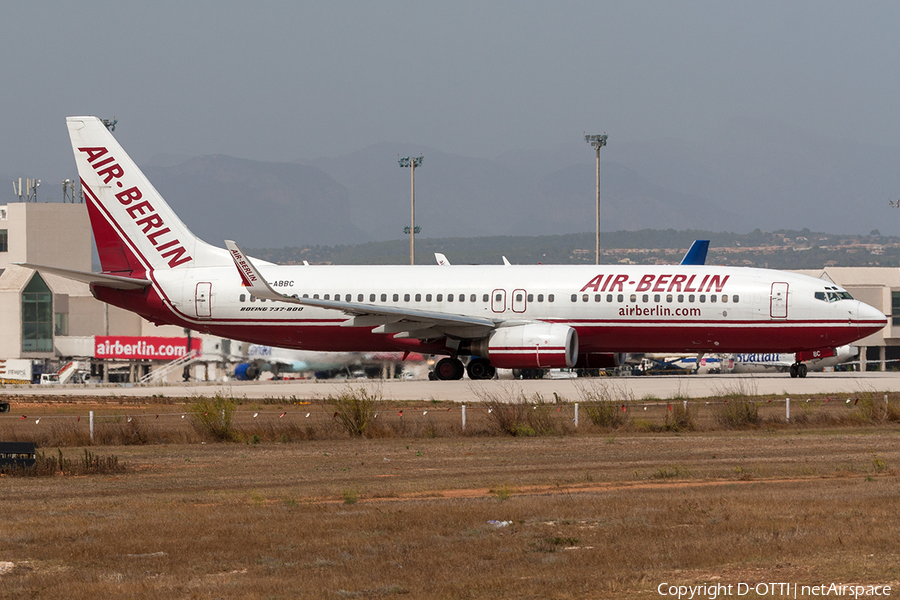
(37, 316)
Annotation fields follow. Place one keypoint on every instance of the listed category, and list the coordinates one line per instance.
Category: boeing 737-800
(511, 316)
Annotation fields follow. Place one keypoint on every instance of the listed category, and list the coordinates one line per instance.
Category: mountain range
(752, 176)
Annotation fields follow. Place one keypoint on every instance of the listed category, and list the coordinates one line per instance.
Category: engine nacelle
(533, 346)
(246, 372)
(600, 361)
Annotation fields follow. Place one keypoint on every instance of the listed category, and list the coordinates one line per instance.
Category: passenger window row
(669, 298)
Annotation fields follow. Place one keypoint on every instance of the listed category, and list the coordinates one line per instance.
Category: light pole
(597, 142)
(894, 204)
(412, 163)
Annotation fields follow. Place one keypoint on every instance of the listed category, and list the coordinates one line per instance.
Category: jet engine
(246, 372)
(533, 346)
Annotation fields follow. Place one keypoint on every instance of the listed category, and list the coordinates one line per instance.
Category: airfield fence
(317, 420)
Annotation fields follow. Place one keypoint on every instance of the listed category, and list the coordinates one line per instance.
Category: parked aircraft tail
(134, 228)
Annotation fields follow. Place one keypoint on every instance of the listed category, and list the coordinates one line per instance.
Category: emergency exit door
(203, 299)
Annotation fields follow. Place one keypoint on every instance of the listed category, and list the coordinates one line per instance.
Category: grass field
(591, 513)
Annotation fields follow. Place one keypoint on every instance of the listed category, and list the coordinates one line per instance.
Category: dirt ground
(584, 515)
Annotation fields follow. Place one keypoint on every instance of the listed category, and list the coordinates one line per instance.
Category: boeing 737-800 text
(528, 316)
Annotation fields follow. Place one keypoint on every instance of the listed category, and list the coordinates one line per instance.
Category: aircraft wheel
(794, 370)
(801, 370)
(448, 369)
(479, 368)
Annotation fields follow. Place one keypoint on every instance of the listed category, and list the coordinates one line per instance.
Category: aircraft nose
(871, 320)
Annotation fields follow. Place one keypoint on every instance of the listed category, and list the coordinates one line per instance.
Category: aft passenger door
(778, 308)
(203, 300)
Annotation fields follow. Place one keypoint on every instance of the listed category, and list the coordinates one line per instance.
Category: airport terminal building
(49, 319)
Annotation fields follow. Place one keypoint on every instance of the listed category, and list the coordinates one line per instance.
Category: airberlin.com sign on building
(153, 348)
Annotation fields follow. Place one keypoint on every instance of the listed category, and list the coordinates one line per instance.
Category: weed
(213, 418)
(354, 409)
(680, 418)
(502, 493)
(738, 413)
(350, 495)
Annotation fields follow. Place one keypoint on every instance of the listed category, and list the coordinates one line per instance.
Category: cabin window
(735, 298)
(449, 297)
(384, 297)
(609, 298)
(634, 297)
(656, 297)
(406, 297)
(252, 298)
(621, 298)
(439, 298)
(574, 297)
(702, 298)
(326, 297)
(691, 298)
(243, 297)
(585, 297)
(645, 298)
(668, 297)
(518, 297)
(724, 297)
(550, 297)
(712, 298)
(427, 297)
(486, 298)
(304, 295)
(597, 297)
(462, 297)
(680, 298)
(540, 297)
(349, 298)
(371, 297)
(499, 297)
(530, 298)
(396, 297)
(418, 297)
(472, 298)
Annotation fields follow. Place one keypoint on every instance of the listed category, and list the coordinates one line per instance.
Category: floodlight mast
(894, 203)
(412, 163)
(597, 142)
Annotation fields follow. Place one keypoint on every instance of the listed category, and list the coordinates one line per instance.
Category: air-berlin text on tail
(142, 212)
(651, 282)
(245, 270)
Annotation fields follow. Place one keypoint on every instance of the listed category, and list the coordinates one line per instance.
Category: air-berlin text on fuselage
(142, 212)
(651, 282)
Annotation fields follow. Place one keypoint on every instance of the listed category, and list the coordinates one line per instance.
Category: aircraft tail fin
(696, 254)
(135, 230)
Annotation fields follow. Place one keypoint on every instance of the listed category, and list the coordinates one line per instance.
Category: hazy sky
(287, 80)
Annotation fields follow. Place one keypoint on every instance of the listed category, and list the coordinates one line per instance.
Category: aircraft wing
(101, 279)
(406, 322)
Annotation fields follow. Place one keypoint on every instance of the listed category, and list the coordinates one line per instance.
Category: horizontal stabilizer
(115, 282)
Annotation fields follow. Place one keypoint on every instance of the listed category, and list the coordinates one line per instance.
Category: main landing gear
(798, 370)
(450, 369)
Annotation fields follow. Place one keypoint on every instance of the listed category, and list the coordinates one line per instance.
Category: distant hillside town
(783, 249)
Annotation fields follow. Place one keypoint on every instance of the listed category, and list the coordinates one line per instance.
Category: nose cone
(871, 320)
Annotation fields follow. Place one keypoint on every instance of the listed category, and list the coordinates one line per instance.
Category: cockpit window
(833, 296)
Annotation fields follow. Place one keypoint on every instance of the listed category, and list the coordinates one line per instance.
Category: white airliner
(510, 316)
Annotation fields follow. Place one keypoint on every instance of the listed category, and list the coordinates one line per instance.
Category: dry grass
(589, 516)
